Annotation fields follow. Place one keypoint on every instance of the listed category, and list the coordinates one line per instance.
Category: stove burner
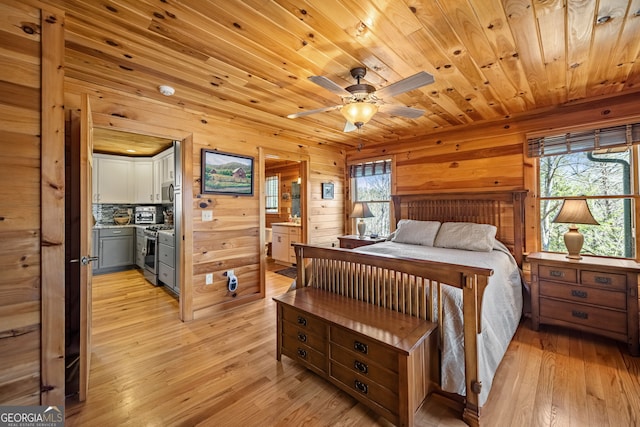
(159, 227)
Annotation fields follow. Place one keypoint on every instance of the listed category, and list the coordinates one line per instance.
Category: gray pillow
(416, 232)
(466, 235)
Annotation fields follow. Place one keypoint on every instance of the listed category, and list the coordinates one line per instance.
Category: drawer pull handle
(362, 348)
(302, 321)
(302, 353)
(556, 273)
(302, 337)
(579, 294)
(580, 314)
(602, 280)
(361, 387)
(361, 367)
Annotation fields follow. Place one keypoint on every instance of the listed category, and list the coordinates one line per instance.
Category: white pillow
(416, 232)
(466, 235)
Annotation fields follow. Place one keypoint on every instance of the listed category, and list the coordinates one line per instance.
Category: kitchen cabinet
(114, 179)
(143, 181)
(95, 250)
(167, 261)
(283, 236)
(116, 248)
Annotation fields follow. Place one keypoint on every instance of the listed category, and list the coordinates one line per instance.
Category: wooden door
(86, 230)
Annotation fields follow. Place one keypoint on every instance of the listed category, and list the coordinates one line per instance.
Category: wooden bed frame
(411, 286)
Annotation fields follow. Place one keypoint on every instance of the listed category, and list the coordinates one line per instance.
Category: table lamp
(574, 211)
(361, 210)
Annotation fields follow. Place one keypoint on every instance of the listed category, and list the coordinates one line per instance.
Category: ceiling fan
(361, 101)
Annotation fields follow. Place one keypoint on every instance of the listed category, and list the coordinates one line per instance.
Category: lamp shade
(575, 211)
(361, 210)
(359, 112)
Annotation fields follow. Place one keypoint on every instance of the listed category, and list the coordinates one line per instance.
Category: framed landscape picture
(226, 173)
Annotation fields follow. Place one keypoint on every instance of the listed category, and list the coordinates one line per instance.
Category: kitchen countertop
(287, 224)
(99, 226)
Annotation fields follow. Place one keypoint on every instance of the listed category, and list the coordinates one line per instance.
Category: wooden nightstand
(594, 294)
(353, 241)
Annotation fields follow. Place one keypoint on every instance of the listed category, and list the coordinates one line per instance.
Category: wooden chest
(386, 360)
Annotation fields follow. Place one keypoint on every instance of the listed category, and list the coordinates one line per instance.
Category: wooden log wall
(491, 156)
(32, 172)
(232, 239)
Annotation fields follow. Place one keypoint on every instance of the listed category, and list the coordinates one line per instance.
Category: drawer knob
(362, 348)
(603, 280)
(580, 314)
(361, 367)
(579, 294)
(302, 337)
(556, 273)
(302, 321)
(302, 353)
(361, 387)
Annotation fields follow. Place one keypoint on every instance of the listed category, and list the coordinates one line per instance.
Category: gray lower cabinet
(167, 261)
(115, 248)
(139, 247)
(95, 250)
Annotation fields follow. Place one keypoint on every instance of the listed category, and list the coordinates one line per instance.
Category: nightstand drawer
(592, 317)
(584, 295)
(605, 280)
(558, 273)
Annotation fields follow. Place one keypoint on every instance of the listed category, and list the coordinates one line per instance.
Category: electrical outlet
(207, 216)
(208, 279)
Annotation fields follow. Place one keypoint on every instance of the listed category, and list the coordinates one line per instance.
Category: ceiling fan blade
(349, 127)
(401, 110)
(405, 85)
(308, 112)
(329, 85)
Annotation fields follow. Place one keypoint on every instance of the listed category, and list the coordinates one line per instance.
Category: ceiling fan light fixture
(359, 113)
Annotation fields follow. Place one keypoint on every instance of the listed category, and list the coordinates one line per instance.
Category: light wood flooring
(150, 369)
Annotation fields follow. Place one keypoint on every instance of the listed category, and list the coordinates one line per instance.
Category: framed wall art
(327, 190)
(226, 173)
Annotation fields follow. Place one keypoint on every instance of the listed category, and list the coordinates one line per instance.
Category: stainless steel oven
(150, 252)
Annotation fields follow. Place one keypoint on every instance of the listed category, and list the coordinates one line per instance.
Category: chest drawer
(605, 280)
(303, 337)
(578, 314)
(304, 321)
(303, 353)
(563, 274)
(365, 348)
(359, 365)
(584, 294)
(365, 387)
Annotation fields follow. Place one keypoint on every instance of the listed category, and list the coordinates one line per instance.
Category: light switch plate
(207, 216)
(208, 279)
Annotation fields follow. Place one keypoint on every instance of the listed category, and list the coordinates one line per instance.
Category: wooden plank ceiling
(250, 60)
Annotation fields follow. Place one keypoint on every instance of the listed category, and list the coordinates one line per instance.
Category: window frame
(269, 197)
(352, 194)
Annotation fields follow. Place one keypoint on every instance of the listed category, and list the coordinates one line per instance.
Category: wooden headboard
(504, 209)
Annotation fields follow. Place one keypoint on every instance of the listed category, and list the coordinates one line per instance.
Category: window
(272, 185)
(371, 183)
(603, 176)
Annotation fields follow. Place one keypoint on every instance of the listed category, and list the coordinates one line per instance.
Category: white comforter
(501, 310)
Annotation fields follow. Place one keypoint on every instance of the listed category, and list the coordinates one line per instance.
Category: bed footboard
(405, 285)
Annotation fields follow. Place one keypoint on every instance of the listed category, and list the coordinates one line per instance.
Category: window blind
(590, 140)
(379, 167)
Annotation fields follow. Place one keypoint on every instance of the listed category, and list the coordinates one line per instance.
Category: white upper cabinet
(114, 181)
(143, 181)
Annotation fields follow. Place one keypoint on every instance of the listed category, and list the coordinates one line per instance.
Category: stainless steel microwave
(167, 192)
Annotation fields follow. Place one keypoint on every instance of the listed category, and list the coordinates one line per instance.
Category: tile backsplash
(104, 212)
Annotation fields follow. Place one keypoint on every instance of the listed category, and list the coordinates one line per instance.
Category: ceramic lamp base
(573, 240)
(362, 227)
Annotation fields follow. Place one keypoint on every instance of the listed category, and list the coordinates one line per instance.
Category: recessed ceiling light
(166, 90)
(131, 151)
